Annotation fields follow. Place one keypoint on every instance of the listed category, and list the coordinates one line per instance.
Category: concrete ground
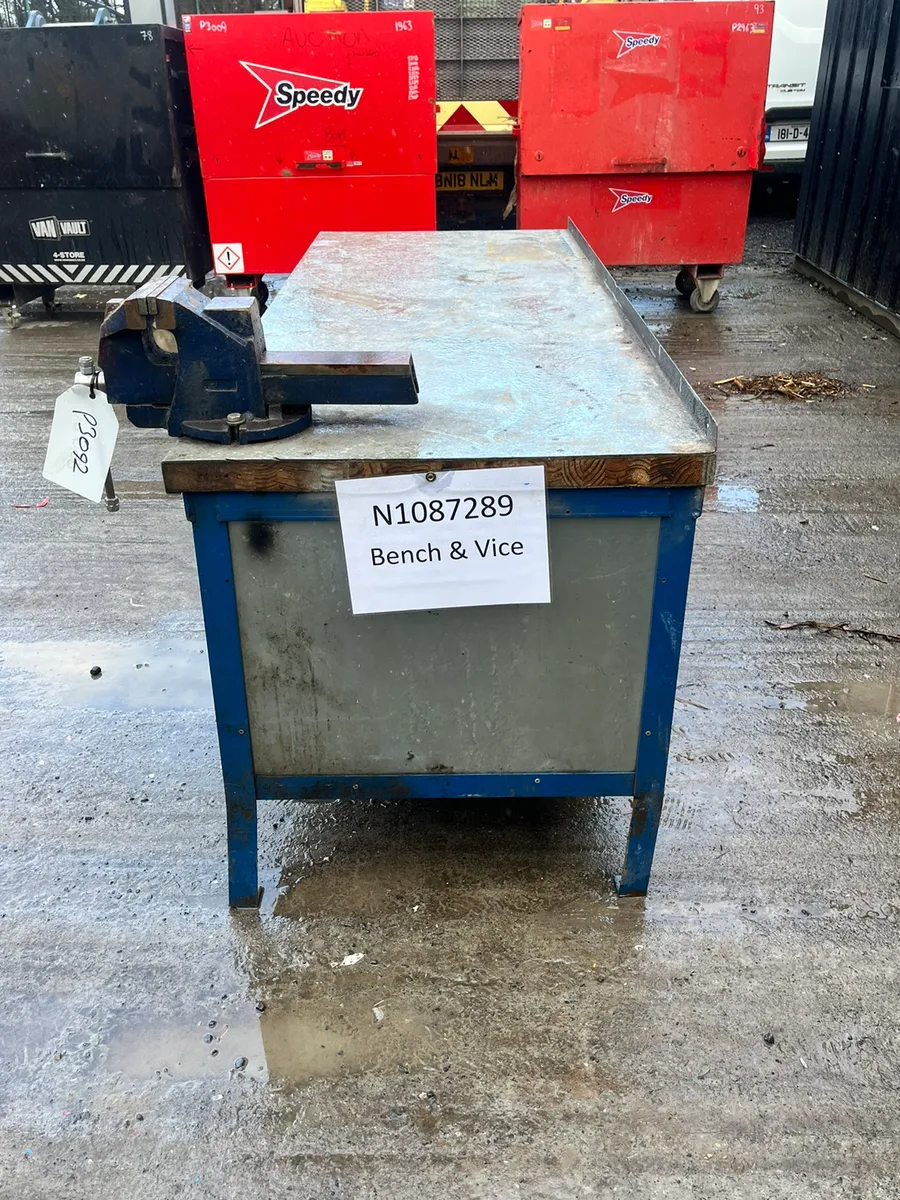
(512, 1029)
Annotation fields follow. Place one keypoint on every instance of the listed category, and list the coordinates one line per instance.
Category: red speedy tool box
(309, 122)
(643, 123)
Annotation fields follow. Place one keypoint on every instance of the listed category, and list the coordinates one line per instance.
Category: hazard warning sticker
(228, 258)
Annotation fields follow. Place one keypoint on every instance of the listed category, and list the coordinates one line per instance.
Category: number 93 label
(82, 440)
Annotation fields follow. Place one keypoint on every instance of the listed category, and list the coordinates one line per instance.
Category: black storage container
(99, 175)
(848, 223)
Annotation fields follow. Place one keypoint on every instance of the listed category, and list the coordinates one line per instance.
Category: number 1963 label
(446, 540)
(82, 440)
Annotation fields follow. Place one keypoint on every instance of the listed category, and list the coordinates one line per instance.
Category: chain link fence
(476, 46)
(15, 12)
(476, 40)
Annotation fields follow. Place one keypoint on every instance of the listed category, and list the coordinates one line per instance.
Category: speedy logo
(623, 199)
(633, 41)
(286, 91)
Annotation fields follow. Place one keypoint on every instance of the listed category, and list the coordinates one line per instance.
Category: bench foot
(645, 814)
(243, 881)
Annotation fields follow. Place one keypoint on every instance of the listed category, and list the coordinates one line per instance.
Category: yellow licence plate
(470, 181)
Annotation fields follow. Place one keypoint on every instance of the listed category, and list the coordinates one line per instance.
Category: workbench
(526, 353)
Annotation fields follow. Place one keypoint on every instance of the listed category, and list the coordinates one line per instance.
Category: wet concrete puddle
(169, 675)
(727, 497)
(868, 698)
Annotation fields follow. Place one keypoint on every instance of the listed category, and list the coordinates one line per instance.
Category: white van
(793, 69)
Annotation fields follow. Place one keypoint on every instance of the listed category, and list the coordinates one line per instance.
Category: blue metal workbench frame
(210, 513)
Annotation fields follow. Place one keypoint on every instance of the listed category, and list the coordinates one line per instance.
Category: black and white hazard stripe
(57, 274)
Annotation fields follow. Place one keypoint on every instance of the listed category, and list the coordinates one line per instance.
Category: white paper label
(463, 538)
(82, 440)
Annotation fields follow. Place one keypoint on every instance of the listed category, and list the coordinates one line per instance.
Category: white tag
(464, 538)
(82, 440)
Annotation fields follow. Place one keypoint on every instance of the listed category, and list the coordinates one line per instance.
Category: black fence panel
(848, 222)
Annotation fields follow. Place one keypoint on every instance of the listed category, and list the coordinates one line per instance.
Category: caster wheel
(261, 292)
(13, 318)
(699, 305)
(685, 282)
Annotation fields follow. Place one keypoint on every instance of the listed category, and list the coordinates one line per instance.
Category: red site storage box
(643, 123)
(309, 122)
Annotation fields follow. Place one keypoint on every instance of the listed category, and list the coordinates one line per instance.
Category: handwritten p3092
(82, 440)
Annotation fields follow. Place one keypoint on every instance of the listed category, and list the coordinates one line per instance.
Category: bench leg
(243, 882)
(645, 813)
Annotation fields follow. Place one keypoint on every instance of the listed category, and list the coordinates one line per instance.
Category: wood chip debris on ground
(795, 385)
(836, 627)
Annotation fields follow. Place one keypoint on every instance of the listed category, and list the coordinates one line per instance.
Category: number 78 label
(82, 441)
